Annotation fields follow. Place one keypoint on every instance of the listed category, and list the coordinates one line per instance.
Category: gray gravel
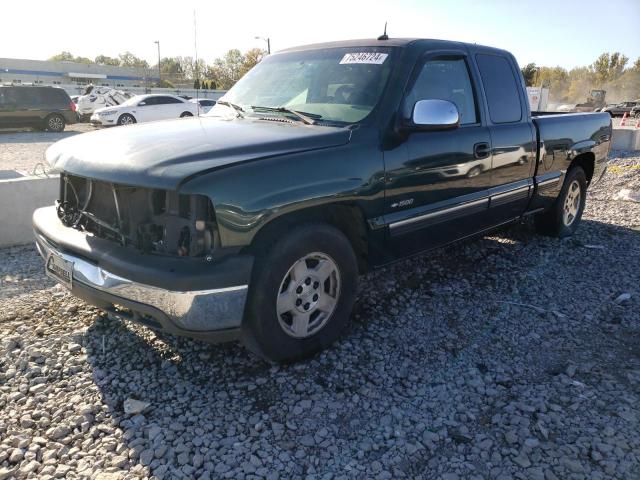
(23, 149)
(513, 357)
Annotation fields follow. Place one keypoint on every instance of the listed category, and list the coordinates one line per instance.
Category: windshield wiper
(239, 110)
(308, 118)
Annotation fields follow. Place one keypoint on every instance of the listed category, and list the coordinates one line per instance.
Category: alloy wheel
(55, 123)
(308, 295)
(571, 203)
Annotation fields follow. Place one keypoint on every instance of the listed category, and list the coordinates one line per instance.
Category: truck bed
(563, 136)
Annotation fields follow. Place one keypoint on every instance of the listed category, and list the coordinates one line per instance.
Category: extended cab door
(513, 138)
(437, 181)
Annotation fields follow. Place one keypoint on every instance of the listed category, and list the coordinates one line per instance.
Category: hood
(165, 154)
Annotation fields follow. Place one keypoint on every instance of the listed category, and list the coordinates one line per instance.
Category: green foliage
(68, 57)
(529, 73)
(608, 67)
(62, 57)
(128, 59)
(608, 72)
(230, 68)
(105, 60)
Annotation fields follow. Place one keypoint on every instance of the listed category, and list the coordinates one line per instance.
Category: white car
(145, 108)
(205, 104)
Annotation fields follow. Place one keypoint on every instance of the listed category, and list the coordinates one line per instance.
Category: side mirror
(434, 115)
(142, 104)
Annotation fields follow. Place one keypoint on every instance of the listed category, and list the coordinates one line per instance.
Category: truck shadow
(451, 300)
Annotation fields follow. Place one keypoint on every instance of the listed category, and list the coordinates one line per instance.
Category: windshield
(330, 85)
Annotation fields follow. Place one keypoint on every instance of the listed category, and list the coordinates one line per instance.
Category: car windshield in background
(331, 85)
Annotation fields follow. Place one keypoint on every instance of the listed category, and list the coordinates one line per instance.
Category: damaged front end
(150, 220)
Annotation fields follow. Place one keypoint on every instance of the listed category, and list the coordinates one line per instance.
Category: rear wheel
(55, 123)
(302, 293)
(562, 219)
(126, 119)
(186, 114)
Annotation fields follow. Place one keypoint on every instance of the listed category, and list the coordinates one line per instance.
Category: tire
(562, 219)
(126, 119)
(186, 114)
(474, 172)
(288, 286)
(54, 123)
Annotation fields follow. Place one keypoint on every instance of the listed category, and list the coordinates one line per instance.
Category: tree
(230, 68)
(529, 73)
(609, 67)
(84, 60)
(62, 57)
(128, 59)
(104, 60)
(252, 58)
(68, 57)
(196, 84)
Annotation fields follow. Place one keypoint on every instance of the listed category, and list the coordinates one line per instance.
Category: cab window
(444, 79)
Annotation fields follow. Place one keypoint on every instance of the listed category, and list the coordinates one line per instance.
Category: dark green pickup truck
(254, 222)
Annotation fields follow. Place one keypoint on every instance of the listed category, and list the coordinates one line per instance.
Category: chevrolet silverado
(255, 221)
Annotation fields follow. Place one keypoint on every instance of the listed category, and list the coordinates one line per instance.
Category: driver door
(437, 181)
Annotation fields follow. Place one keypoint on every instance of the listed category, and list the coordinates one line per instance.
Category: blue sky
(560, 32)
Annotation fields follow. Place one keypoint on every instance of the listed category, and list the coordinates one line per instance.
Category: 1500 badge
(402, 203)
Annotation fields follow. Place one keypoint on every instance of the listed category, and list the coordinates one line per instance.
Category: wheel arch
(346, 217)
(587, 162)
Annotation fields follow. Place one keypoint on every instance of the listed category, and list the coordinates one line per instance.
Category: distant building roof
(67, 69)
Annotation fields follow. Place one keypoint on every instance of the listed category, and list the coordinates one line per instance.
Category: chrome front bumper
(192, 313)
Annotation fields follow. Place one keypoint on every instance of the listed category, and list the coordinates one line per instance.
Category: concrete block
(625, 139)
(19, 197)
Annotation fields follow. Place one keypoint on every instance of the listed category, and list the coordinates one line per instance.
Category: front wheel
(302, 293)
(126, 119)
(562, 219)
(186, 114)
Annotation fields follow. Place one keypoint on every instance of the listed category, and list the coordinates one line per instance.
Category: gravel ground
(23, 149)
(512, 357)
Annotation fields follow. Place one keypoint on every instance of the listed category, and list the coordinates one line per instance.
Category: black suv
(49, 108)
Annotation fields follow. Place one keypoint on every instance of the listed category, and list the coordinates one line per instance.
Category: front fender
(248, 196)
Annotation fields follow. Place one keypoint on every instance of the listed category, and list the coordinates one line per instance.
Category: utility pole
(157, 42)
(268, 40)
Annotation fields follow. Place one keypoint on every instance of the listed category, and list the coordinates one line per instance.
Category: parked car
(254, 221)
(205, 104)
(635, 111)
(48, 108)
(145, 108)
(620, 109)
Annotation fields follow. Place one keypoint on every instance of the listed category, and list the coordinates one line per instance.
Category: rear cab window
(501, 88)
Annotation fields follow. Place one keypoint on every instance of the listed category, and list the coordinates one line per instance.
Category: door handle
(481, 150)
